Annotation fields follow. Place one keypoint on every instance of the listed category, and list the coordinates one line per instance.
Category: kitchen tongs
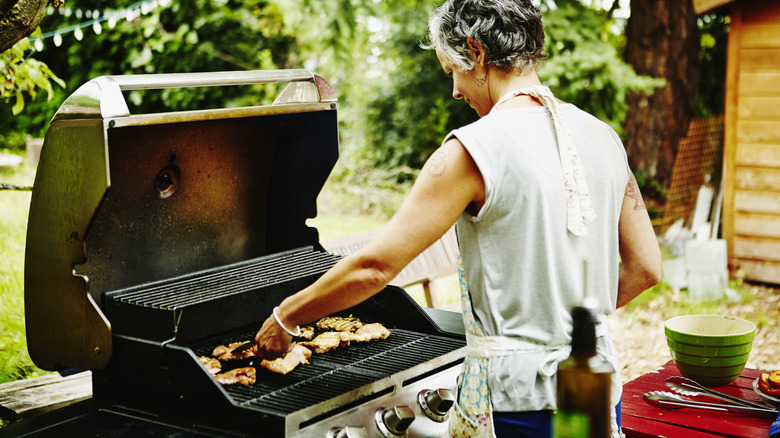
(666, 400)
(686, 386)
(243, 347)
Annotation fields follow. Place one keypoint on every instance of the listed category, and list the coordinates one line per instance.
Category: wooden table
(641, 420)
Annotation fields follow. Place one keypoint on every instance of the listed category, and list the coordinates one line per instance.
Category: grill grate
(237, 279)
(336, 372)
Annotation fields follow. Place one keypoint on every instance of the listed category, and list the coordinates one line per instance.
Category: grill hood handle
(102, 97)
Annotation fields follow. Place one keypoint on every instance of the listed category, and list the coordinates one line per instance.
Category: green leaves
(584, 67)
(24, 75)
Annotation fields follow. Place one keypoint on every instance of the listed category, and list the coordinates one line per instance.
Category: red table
(641, 420)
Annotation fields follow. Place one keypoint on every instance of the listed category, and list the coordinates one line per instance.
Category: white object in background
(706, 262)
(701, 213)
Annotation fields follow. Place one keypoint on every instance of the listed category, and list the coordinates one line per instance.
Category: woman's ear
(476, 51)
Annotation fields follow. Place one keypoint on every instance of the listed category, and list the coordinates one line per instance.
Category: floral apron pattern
(473, 414)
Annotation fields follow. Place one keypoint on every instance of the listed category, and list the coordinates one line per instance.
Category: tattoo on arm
(632, 191)
(437, 164)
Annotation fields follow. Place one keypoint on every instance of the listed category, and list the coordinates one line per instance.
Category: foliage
(584, 68)
(710, 98)
(414, 90)
(24, 75)
(201, 35)
(15, 362)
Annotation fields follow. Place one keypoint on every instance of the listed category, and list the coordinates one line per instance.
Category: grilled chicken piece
(370, 332)
(245, 376)
(327, 341)
(283, 365)
(307, 332)
(339, 324)
(226, 352)
(212, 365)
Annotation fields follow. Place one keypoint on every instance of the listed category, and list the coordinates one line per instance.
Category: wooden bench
(29, 397)
(440, 259)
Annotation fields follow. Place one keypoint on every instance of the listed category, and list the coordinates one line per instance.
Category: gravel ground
(638, 331)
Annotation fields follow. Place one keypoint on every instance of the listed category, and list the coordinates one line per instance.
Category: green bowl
(710, 349)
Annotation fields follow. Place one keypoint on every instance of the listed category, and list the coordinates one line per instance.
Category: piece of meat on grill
(307, 333)
(283, 365)
(339, 324)
(369, 332)
(224, 353)
(245, 376)
(212, 365)
(327, 341)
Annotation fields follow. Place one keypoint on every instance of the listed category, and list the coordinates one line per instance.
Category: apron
(473, 411)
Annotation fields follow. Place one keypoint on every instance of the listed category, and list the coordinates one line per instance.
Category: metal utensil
(666, 400)
(686, 386)
(243, 347)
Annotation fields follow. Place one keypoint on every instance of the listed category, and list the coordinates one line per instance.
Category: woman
(536, 187)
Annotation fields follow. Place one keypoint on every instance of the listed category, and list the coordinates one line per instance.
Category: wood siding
(751, 204)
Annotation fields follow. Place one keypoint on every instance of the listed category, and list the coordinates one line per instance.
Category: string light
(94, 20)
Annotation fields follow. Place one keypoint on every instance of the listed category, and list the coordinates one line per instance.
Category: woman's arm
(447, 184)
(640, 255)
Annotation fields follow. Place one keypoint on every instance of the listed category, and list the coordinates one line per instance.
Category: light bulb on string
(57, 39)
(39, 44)
(78, 33)
(97, 28)
(111, 21)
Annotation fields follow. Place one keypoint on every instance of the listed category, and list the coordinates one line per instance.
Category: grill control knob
(394, 422)
(436, 404)
(347, 432)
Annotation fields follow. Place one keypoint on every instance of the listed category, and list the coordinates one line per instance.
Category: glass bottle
(583, 384)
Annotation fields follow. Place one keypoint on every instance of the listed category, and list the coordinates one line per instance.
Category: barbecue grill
(154, 238)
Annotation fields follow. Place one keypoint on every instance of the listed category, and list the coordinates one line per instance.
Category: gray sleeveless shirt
(524, 270)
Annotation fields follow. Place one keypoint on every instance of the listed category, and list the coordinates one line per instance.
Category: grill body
(154, 238)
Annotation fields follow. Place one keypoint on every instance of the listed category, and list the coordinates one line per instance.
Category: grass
(15, 362)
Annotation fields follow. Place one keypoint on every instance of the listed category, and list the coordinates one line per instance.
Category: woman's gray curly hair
(510, 32)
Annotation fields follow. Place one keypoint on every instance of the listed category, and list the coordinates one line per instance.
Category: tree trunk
(662, 40)
(19, 18)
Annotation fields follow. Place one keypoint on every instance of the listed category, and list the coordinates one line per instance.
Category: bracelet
(294, 334)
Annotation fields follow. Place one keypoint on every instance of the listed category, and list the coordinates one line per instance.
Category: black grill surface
(235, 279)
(338, 371)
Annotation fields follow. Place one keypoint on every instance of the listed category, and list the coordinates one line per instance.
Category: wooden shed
(751, 149)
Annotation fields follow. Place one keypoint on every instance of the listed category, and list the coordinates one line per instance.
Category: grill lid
(123, 199)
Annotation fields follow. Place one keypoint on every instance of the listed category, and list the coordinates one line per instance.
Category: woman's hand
(272, 341)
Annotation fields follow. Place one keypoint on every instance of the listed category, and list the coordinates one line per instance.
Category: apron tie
(578, 203)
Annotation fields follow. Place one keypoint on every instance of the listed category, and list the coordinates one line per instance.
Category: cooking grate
(239, 278)
(339, 371)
